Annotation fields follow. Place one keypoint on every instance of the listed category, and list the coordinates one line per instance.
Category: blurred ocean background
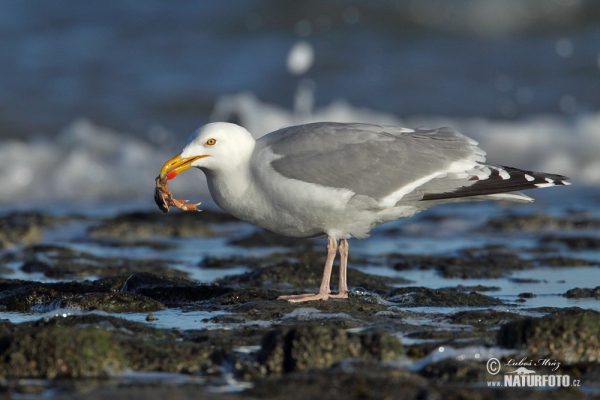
(96, 95)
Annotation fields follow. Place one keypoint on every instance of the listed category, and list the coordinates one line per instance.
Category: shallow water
(442, 230)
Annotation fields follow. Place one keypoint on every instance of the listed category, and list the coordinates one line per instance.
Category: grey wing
(375, 161)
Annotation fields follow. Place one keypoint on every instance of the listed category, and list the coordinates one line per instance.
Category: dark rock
(475, 288)
(347, 312)
(109, 302)
(245, 295)
(109, 284)
(579, 293)
(488, 262)
(211, 262)
(171, 290)
(346, 381)
(93, 346)
(574, 242)
(319, 346)
(23, 228)
(417, 296)
(484, 318)
(178, 295)
(145, 280)
(22, 295)
(524, 280)
(60, 352)
(306, 277)
(570, 335)
(559, 261)
(527, 295)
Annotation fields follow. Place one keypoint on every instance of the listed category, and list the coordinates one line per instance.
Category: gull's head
(216, 147)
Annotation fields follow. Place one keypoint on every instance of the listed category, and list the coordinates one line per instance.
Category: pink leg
(323, 293)
(343, 287)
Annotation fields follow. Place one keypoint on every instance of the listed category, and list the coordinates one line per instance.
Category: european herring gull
(341, 180)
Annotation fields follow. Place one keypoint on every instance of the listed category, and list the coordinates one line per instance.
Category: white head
(216, 147)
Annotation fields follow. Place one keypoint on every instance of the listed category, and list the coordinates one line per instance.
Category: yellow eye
(211, 142)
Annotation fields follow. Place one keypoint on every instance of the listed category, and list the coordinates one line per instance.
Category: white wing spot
(549, 180)
(529, 178)
(503, 174)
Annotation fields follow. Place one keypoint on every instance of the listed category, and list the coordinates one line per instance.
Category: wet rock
(574, 242)
(245, 295)
(171, 290)
(109, 302)
(477, 263)
(217, 262)
(367, 381)
(570, 335)
(138, 225)
(179, 295)
(417, 296)
(319, 346)
(23, 228)
(58, 352)
(559, 261)
(346, 313)
(346, 381)
(524, 280)
(484, 318)
(110, 284)
(306, 277)
(63, 262)
(578, 293)
(93, 346)
(527, 295)
(538, 222)
(23, 295)
(145, 280)
(9, 284)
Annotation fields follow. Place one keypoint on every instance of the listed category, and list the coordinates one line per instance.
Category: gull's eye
(211, 142)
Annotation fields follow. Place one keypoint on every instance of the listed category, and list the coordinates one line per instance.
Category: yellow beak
(177, 165)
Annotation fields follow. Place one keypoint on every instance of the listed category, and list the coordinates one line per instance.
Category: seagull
(341, 180)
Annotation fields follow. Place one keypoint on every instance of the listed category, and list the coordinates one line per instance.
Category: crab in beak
(162, 195)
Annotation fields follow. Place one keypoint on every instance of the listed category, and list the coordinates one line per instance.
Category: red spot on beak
(171, 174)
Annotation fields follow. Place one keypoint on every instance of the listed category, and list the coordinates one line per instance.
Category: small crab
(164, 198)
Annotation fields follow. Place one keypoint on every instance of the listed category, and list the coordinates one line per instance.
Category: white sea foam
(85, 162)
(88, 162)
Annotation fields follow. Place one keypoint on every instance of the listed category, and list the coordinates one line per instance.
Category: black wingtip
(503, 179)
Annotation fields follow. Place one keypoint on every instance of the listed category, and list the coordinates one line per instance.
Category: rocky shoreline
(383, 342)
